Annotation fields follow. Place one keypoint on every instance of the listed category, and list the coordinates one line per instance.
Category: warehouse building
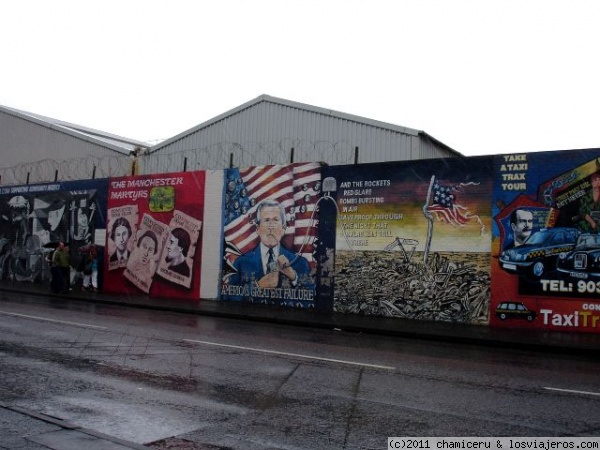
(266, 130)
(37, 149)
(269, 130)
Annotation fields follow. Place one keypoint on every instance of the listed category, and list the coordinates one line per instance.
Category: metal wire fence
(213, 157)
(231, 154)
(52, 170)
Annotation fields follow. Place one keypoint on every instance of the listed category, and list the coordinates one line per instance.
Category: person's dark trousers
(57, 283)
(66, 276)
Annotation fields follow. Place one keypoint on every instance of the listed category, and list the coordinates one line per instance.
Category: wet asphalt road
(156, 378)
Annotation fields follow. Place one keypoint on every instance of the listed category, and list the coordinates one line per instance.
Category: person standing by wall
(90, 270)
(62, 262)
(55, 276)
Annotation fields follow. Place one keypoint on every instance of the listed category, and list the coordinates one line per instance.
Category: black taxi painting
(514, 310)
(583, 263)
(538, 255)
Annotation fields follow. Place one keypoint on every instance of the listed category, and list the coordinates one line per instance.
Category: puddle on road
(135, 423)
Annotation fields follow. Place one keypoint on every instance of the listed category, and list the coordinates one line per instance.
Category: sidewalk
(587, 344)
(24, 429)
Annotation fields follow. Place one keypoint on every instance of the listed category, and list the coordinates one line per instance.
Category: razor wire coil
(221, 155)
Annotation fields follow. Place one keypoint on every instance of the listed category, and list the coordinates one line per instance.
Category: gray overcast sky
(481, 76)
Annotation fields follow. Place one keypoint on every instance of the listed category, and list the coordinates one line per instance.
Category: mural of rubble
(392, 283)
(413, 239)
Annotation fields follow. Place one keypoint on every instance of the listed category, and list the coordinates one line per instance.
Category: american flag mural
(296, 186)
(446, 207)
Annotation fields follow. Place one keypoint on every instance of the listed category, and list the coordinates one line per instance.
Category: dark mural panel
(413, 239)
(546, 248)
(34, 218)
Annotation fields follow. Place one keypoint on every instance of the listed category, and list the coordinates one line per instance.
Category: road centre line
(295, 355)
(45, 319)
(571, 391)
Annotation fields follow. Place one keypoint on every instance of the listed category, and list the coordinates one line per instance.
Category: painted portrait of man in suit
(270, 265)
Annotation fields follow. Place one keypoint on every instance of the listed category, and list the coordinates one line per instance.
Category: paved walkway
(24, 429)
(27, 430)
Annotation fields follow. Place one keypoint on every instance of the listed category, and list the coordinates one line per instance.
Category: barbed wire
(51, 170)
(222, 155)
(217, 156)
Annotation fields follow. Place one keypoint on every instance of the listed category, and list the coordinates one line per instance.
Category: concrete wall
(437, 239)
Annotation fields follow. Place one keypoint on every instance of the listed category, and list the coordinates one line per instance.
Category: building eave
(77, 131)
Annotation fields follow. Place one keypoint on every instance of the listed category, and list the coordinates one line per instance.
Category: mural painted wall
(270, 222)
(506, 240)
(34, 218)
(154, 235)
(413, 239)
(546, 247)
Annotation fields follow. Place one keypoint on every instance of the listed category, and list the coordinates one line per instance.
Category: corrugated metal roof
(309, 108)
(110, 141)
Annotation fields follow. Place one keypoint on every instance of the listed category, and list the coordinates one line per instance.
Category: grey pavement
(28, 430)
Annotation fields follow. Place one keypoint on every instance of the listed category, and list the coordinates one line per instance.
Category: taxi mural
(545, 244)
(537, 256)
